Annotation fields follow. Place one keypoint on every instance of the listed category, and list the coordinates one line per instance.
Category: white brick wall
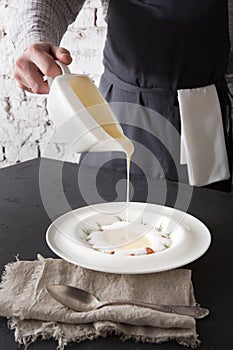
(26, 128)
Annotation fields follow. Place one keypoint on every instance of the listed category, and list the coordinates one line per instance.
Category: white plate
(190, 238)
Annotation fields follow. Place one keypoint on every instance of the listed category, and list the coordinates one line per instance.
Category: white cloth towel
(33, 313)
(203, 146)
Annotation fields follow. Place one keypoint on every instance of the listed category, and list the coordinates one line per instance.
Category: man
(154, 48)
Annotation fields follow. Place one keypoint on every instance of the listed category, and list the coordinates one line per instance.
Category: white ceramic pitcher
(82, 116)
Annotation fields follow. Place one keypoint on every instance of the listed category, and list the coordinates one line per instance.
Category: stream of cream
(90, 98)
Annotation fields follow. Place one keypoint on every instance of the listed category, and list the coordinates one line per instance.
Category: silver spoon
(80, 300)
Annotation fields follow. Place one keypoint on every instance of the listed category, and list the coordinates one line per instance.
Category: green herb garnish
(141, 222)
(87, 231)
(118, 218)
(160, 228)
(166, 246)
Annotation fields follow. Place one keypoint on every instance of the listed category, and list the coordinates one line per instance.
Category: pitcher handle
(64, 68)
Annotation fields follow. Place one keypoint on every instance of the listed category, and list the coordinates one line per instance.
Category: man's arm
(43, 20)
(36, 34)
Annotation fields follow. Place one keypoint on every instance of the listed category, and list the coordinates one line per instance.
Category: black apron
(153, 48)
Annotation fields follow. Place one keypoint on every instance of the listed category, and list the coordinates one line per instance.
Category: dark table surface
(23, 223)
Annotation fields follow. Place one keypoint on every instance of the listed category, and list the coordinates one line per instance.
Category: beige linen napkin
(33, 313)
(203, 146)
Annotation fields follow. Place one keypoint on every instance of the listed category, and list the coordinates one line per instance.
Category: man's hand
(39, 60)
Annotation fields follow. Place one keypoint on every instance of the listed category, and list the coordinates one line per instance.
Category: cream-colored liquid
(117, 238)
(90, 96)
(112, 239)
(128, 149)
(139, 243)
(128, 159)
